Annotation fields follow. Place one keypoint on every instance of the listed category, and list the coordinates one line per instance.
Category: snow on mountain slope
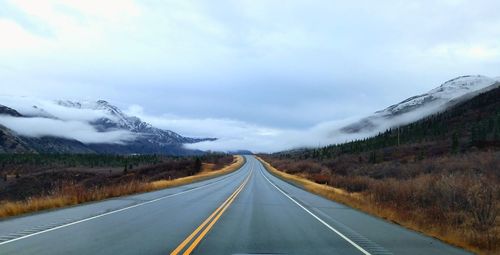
(420, 106)
(116, 119)
(448, 91)
(9, 111)
(82, 127)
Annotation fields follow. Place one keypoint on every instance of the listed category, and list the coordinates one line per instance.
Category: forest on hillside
(470, 126)
(439, 175)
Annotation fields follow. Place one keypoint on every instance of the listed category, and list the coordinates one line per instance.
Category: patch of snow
(461, 85)
(121, 120)
(417, 107)
(448, 91)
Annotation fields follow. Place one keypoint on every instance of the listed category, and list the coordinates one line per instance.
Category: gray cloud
(31, 106)
(47, 118)
(237, 135)
(78, 130)
(256, 63)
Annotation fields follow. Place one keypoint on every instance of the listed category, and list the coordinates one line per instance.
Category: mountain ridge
(147, 139)
(130, 123)
(440, 98)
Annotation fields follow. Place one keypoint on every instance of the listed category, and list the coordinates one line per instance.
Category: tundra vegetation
(439, 175)
(33, 182)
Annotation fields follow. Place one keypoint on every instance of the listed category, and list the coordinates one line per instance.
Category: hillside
(146, 138)
(438, 175)
(438, 99)
(472, 124)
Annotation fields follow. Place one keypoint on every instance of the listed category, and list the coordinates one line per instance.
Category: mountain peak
(9, 111)
(449, 90)
(107, 118)
(92, 105)
(119, 120)
(464, 83)
(102, 101)
(447, 94)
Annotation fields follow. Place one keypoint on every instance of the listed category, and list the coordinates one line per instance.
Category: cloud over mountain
(48, 118)
(69, 129)
(85, 126)
(257, 62)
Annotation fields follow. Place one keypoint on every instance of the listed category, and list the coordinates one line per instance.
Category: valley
(249, 127)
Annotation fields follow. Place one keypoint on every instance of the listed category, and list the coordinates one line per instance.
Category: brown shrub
(72, 192)
(452, 197)
(351, 184)
(483, 209)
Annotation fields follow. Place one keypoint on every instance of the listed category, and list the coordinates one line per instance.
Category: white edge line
(108, 213)
(316, 217)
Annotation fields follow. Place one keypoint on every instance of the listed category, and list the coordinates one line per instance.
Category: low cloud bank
(74, 123)
(77, 130)
(47, 118)
(237, 135)
(29, 106)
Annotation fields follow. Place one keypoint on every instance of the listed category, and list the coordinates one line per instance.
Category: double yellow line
(211, 220)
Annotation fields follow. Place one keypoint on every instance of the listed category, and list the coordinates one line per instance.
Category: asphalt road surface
(246, 212)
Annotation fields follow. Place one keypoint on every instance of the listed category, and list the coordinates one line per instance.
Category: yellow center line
(217, 213)
(205, 231)
(188, 239)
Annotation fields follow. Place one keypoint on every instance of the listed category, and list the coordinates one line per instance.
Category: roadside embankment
(72, 194)
(407, 212)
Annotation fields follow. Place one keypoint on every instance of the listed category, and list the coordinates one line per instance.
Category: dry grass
(412, 219)
(237, 163)
(353, 199)
(207, 167)
(72, 194)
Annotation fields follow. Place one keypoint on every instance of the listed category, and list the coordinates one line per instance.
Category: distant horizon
(250, 127)
(74, 123)
(249, 71)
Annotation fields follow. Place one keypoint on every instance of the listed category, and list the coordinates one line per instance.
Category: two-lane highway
(247, 212)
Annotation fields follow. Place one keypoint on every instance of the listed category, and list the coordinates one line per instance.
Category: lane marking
(314, 215)
(204, 233)
(198, 229)
(113, 212)
(215, 216)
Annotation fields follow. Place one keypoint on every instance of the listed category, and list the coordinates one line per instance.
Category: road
(246, 212)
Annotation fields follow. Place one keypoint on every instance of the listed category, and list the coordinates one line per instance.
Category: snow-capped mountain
(148, 137)
(117, 118)
(12, 142)
(9, 111)
(104, 118)
(417, 107)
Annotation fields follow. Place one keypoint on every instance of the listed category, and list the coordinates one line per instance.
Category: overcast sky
(209, 68)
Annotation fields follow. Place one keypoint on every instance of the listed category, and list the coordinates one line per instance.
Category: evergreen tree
(454, 142)
(197, 165)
